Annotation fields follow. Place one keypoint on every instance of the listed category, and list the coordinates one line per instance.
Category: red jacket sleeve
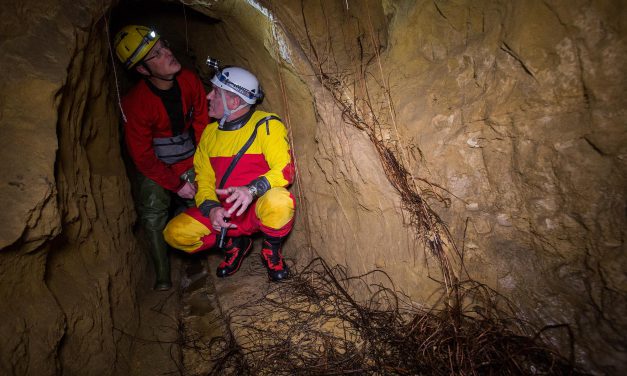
(138, 134)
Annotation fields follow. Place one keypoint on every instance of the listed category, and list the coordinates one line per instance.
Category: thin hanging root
(365, 114)
(323, 330)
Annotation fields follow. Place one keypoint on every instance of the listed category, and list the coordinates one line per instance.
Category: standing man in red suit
(165, 114)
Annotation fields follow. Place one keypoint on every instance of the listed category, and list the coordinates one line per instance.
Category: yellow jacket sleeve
(276, 150)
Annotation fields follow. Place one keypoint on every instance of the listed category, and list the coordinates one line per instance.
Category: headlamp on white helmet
(240, 82)
(236, 80)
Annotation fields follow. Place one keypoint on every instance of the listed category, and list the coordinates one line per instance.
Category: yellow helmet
(133, 42)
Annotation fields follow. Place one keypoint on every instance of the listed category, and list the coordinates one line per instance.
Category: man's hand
(239, 196)
(188, 191)
(217, 215)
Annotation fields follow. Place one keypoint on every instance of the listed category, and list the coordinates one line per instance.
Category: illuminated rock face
(512, 110)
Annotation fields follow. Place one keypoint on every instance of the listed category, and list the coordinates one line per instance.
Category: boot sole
(165, 286)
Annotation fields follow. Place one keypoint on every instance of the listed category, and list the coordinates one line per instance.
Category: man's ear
(234, 101)
(141, 69)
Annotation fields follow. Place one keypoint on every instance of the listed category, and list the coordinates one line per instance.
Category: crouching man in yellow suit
(243, 165)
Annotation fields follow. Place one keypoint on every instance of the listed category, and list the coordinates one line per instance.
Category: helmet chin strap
(227, 111)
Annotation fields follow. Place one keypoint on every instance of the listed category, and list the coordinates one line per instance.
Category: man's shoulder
(187, 72)
(188, 75)
(269, 125)
(260, 115)
(138, 91)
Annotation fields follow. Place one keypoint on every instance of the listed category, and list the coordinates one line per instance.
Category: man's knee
(186, 233)
(154, 203)
(173, 231)
(153, 220)
(275, 208)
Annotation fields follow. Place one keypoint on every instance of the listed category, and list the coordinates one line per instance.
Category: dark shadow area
(157, 343)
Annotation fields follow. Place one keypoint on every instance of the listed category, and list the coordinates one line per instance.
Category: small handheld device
(222, 237)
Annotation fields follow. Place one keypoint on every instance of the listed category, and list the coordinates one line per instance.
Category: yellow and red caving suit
(268, 158)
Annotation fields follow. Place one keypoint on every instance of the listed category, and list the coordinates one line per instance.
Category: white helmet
(239, 81)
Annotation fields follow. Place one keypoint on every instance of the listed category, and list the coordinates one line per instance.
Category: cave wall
(70, 265)
(519, 110)
(509, 117)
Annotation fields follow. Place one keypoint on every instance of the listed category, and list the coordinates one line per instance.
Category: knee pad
(186, 233)
(275, 208)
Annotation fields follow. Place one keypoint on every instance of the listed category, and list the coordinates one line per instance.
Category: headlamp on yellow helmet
(133, 43)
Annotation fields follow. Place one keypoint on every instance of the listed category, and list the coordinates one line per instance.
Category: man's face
(216, 107)
(161, 61)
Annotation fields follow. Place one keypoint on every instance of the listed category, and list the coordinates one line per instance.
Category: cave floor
(155, 349)
(211, 305)
(241, 324)
(178, 326)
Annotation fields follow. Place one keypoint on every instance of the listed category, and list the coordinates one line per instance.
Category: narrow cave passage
(177, 326)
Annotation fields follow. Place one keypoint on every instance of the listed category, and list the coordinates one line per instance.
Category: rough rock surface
(70, 265)
(509, 116)
(519, 110)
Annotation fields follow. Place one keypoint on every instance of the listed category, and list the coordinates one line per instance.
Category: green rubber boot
(159, 253)
(154, 206)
